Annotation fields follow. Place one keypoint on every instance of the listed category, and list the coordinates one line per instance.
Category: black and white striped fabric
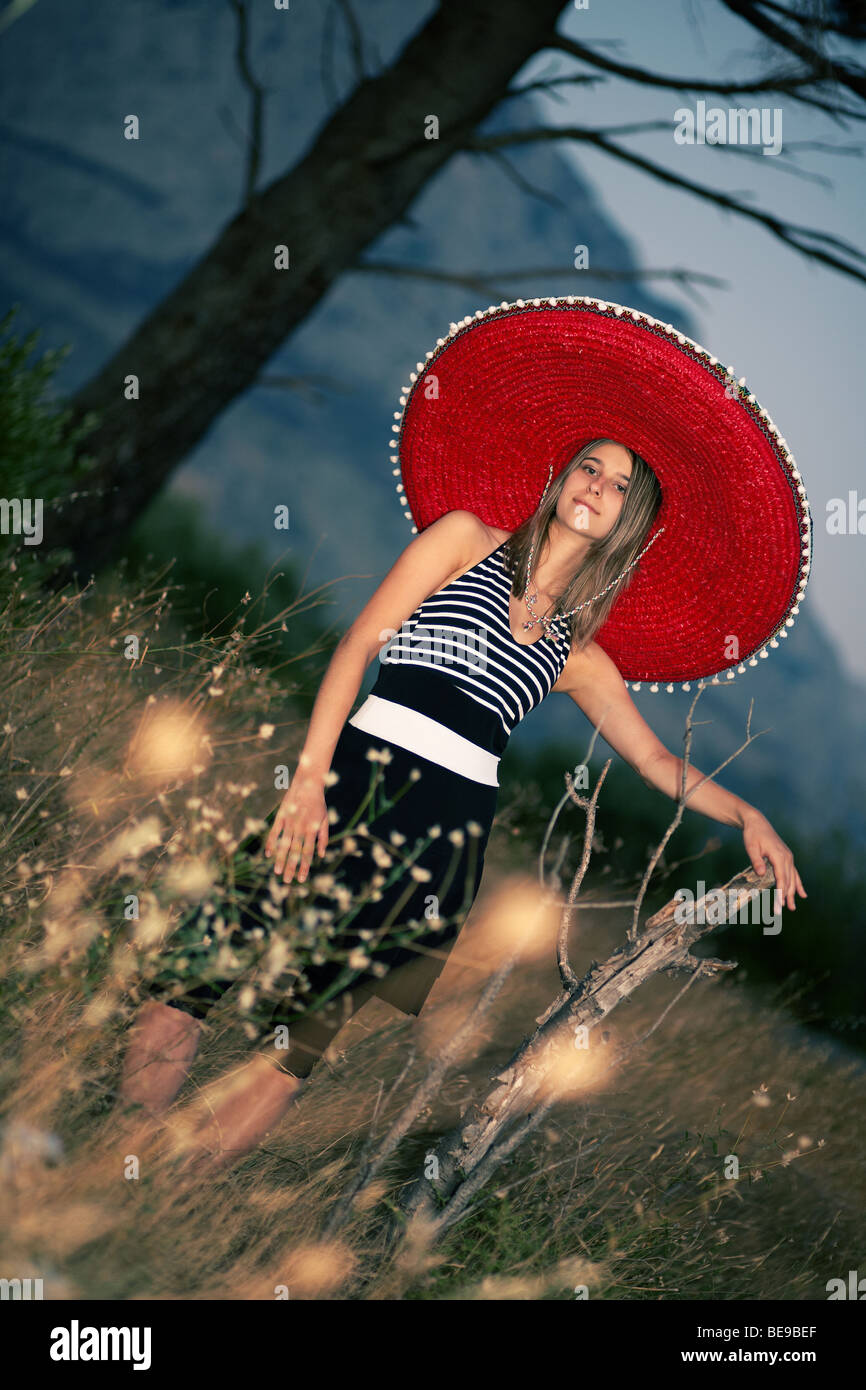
(463, 631)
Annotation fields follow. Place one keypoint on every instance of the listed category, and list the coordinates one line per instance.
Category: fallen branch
(520, 1096)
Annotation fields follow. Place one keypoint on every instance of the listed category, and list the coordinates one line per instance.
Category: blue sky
(793, 328)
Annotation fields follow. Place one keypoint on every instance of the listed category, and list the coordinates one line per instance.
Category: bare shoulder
(467, 527)
(496, 533)
(591, 666)
(475, 538)
(482, 530)
(450, 545)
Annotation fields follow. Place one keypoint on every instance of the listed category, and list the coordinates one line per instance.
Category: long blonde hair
(605, 558)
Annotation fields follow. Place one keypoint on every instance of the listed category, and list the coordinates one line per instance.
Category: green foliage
(210, 582)
(40, 456)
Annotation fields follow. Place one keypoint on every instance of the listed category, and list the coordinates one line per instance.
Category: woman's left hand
(763, 843)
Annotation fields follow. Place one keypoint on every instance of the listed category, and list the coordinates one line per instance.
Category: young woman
(473, 627)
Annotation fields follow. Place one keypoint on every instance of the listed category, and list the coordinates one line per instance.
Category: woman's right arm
(301, 823)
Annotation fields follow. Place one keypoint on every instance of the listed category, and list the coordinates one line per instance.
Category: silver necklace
(531, 599)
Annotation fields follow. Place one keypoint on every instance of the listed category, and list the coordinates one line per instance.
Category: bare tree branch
(490, 144)
(788, 232)
(684, 797)
(483, 282)
(525, 185)
(549, 84)
(825, 69)
(566, 973)
(566, 796)
(809, 19)
(312, 385)
(242, 59)
(789, 83)
(356, 39)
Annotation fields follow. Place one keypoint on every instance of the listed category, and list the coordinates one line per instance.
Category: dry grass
(623, 1192)
(135, 778)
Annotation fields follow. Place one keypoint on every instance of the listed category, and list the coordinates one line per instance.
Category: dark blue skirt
(418, 817)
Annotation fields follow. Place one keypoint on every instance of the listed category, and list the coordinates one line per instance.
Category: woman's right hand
(300, 826)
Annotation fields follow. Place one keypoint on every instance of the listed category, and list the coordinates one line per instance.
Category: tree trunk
(207, 341)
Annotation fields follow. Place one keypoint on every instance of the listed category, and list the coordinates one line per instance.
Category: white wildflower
(24, 1144)
(226, 959)
(246, 998)
(189, 878)
(253, 825)
(310, 918)
(131, 842)
(276, 958)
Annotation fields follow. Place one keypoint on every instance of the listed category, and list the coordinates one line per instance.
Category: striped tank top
(456, 659)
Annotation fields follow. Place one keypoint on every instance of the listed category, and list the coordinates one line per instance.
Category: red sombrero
(518, 387)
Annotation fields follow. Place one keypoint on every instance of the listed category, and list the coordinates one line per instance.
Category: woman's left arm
(594, 683)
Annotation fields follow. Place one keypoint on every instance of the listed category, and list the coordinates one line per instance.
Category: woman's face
(594, 491)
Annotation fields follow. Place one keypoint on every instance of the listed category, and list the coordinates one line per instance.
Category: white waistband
(427, 737)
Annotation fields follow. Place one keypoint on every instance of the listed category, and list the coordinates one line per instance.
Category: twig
(685, 797)
(566, 974)
(256, 91)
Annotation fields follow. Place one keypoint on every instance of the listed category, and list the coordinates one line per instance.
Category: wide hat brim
(518, 387)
